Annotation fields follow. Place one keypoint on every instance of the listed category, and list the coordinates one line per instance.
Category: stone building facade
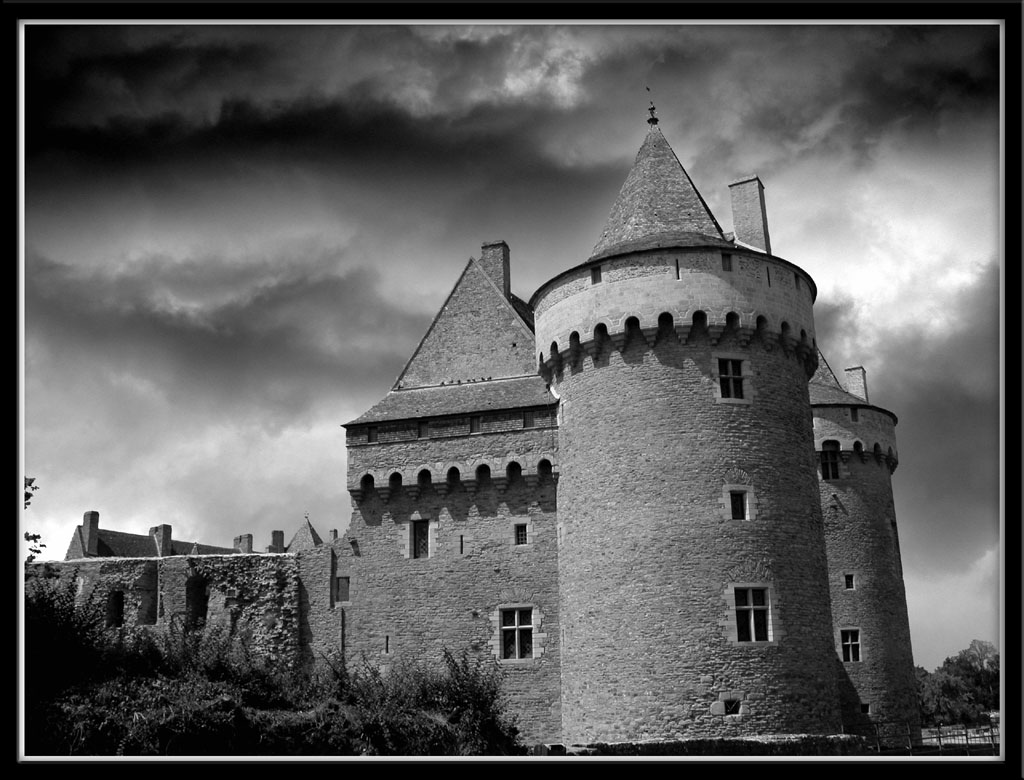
(643, 493)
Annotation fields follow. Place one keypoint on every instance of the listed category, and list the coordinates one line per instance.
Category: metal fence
(897, 738)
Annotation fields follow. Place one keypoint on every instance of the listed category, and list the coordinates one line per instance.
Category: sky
(234, 236)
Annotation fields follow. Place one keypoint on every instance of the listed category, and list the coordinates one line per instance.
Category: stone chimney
(494, 259)
(857, 382)
(334, 534)
(749, 218)
(243, 543)
(161, 535)
(91, 533)
(276, 542)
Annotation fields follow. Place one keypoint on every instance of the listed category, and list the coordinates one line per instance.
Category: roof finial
(652, 120)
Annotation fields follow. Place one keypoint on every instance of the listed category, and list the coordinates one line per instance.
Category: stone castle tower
(643, 494)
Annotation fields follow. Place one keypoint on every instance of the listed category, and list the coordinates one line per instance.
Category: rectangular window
(830, 460)
(371, 434)
(865, 709)
(726, 262)
(421, 539)
(854, 414)
(517, 633)
(849, 582)
(677, 268)
(521, 534)
(424, 429)
(752, 614)
(528, 421)
(738, 503)
(341, 585)
(732, 707)
(768, 275)
(796, 280)
(595, 274)
(850, 639)
(474, 424)
(730, 376)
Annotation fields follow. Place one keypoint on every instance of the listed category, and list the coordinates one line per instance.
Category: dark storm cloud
(275, 338)
(941, 379)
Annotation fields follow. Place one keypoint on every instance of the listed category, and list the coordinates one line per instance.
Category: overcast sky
(235, 236)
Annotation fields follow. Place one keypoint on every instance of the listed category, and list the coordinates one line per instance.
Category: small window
(424, 429)
(421, 539)
(768, 275)
(528, 420)
(738, 504)
(854, 414)
(732, 707)
(341, 586)
(371, 434)
(726, 262)
(730, 377)
(850, 640)
(865, 709)
(474, 424)
(595, 274)
(752, 614)
(796, 280)
(849, 582)
(830, 460)
(517, 633)
(520, 533)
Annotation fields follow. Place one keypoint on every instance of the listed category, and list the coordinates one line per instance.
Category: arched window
(483, 474)
(366, 483)
(395, 481)
(666, 324)
(700, 320)
(513, 472)
(423, 478)
(453, 477)
(732, 320)
(830, 460)
(544, 469)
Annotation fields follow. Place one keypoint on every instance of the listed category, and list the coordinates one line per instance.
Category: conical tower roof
(657, 206)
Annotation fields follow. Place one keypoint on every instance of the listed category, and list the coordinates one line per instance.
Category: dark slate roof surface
(658, 203)
(465, 398)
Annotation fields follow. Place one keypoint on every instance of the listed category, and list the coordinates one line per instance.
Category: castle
(643, 493)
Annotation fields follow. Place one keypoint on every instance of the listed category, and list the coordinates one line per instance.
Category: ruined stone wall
(253, 597)
(866, 575)
(408, 608)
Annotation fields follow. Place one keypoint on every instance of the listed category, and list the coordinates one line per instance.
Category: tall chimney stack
(749, 217)
(494, 259)
(243, 543)
(91, 533)
(161, 535)
(857, 382)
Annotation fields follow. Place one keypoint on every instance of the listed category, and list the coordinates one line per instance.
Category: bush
(140, 691)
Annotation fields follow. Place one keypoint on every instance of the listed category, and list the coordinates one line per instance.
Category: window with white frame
(517, 633)
(849, 639)
(420, 542)
(733, 378)
(753, 615)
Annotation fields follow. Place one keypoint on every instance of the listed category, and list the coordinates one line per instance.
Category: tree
(35, 546)
(964, 689)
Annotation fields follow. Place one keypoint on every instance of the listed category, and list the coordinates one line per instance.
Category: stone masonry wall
(862, 541)
(404, 608)
(650, 560)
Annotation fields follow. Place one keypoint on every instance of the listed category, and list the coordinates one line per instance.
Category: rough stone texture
(862, 540)
(647, 563)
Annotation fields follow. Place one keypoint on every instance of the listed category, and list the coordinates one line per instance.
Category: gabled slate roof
(516, 393)
(657, 206)
(117, 544)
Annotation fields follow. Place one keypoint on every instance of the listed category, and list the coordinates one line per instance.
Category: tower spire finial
(652, 119)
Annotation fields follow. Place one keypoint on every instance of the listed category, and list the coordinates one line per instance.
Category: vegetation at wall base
(97, 691)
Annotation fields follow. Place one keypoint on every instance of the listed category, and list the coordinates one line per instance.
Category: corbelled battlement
(471, 476)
